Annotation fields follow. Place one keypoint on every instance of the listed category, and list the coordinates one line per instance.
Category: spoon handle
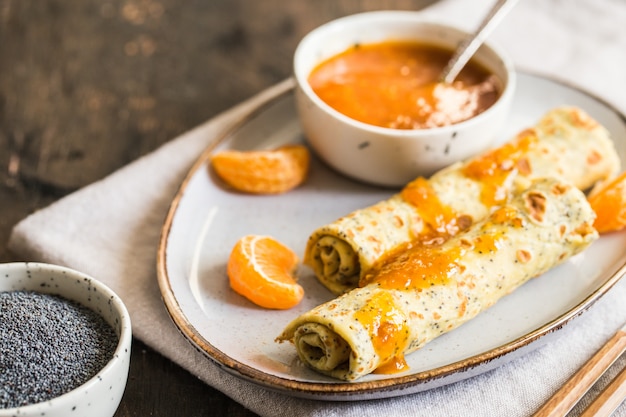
(468, 47)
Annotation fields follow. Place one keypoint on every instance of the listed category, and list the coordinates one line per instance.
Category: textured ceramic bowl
(100, 396)
(385, 156)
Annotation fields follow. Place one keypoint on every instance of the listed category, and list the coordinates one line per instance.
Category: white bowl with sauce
(388, 155)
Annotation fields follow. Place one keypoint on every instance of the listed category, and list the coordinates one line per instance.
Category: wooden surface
(86, 86)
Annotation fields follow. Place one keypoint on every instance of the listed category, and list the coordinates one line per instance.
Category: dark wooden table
(86, 86)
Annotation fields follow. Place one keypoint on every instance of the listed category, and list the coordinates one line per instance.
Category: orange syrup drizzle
(388, 330)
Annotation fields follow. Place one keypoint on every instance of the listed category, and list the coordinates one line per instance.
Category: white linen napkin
(580, 41)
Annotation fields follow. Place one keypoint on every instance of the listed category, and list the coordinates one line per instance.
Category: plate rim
(347, 390)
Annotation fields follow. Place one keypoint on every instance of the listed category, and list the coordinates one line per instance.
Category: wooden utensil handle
(612, 396)
(565, 398)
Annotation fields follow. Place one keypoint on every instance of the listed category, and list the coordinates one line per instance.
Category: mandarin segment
(265, 171)
(261, 269)
(609, 203)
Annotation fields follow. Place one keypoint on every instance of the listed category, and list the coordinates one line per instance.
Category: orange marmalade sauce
(416, 267)
(395, 85)
(494, 168)
(492, 235)
(439, 219)
(387, 329)
(506, 215)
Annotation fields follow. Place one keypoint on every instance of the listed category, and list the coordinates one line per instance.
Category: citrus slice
(609, 203)
(263, 172)
(261, 269)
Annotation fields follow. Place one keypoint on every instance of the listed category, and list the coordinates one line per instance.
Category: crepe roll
(565, 143)
(421, 292)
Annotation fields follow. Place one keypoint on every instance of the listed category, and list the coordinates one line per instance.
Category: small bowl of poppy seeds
(65, 341)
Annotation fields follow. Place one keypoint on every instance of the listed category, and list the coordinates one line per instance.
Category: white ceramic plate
(206, 219)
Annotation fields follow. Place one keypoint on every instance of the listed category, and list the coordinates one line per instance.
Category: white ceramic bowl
(100, 396)
(385, 156)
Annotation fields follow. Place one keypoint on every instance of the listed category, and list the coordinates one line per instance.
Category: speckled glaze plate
(206, 219)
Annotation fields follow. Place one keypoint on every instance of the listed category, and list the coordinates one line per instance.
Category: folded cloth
(578, 41)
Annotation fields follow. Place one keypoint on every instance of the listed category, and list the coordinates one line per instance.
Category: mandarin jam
(396, 85)
(388, 330)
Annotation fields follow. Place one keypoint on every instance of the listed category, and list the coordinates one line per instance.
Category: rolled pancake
(565, 143)
(424, 291)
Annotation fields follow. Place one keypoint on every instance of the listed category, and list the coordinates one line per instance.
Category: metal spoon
(468, 47)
